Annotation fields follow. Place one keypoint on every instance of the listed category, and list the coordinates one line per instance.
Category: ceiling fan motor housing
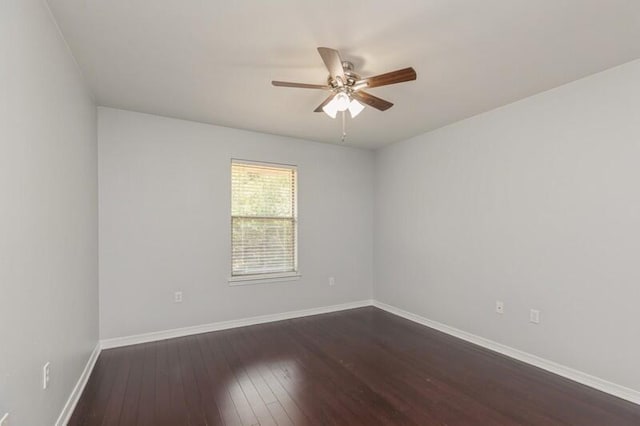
(350, 76)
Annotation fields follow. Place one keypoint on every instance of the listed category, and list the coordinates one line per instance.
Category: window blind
(263, 219)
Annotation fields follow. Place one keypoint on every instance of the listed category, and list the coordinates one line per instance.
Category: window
(263, 221)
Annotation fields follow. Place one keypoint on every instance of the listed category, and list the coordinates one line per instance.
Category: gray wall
(48, 216)
(165, 223)
(536, 204)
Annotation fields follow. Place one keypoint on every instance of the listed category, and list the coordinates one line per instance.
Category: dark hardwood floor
(357, 367)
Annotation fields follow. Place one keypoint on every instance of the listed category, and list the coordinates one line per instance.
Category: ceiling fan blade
(372, 101)
(332, 61)
(326, 101)
(299, 85)
(393, 77)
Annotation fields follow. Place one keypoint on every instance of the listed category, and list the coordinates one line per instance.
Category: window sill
(264, 278)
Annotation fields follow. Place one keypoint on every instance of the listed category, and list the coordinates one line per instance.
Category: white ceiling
(212, 61)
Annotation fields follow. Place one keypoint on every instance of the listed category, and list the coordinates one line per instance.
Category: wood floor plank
(192, 396)
(216, 376)
(292, 409)
(130, 404)
(333, 385)
(113, 407)
(245, 412)
(379, 368)
(357, 367)
(147, 407)
(178, 414)
(279, 414)
(164, 413)
(237, 359)
(206, 388)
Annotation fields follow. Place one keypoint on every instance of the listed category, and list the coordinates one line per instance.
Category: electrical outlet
(4, 421)
(499, 307)
(332, 281)
(45, 375)
(534, 316)
(177, 297)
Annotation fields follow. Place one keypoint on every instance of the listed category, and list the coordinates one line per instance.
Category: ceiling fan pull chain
(344, 126)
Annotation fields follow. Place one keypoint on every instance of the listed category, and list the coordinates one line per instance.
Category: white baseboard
(561, 370)
(224, 325)
(70, 405)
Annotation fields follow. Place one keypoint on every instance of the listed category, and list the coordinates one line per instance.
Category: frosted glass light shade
(342, 102)
(355, 108)
(331, 109)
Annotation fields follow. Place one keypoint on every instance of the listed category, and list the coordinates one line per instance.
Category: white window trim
(239, 280)
(264, 278)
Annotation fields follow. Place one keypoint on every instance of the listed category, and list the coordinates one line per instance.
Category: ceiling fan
(347, 87)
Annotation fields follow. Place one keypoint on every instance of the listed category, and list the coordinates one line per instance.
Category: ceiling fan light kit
(340, 103)
(346, 86)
